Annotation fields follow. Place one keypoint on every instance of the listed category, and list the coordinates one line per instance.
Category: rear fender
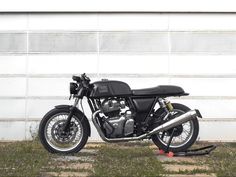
(77, 111)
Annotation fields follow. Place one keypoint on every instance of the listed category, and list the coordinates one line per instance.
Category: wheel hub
(178, 131)
(60, 135)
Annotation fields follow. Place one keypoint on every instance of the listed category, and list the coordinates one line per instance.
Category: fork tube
(72, 110)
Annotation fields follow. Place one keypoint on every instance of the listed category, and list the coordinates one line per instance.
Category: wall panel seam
(207, 31)
(125, 75)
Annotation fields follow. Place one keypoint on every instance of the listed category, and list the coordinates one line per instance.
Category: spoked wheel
(57, 140)
(183, 136)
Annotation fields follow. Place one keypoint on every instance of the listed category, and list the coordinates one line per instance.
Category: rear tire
(45, 121)
(194, 122)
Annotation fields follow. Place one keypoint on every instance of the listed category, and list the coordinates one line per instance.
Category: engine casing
(116, 123)
(114, 126)
(112, 105)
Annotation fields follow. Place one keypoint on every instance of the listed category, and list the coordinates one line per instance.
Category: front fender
(77, 111)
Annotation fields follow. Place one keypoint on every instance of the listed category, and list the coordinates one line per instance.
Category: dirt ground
(122, 159)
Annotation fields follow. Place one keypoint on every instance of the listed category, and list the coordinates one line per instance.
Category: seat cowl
(161, 90)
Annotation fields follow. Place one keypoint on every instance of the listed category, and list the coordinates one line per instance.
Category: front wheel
(184, 136)
(55, 139)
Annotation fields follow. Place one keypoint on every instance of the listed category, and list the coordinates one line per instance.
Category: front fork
(71, 113)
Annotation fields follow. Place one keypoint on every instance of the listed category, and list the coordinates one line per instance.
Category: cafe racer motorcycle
(119, 114)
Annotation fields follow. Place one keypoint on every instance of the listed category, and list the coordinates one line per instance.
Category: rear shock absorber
(169, 105)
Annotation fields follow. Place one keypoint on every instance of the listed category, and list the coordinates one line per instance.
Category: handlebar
(85, 78)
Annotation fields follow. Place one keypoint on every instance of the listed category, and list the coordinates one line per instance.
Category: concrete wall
(118, 6)
(40, 52)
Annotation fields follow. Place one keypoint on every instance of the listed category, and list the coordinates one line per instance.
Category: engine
(118, 120)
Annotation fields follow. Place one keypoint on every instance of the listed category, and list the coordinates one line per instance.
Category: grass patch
(24, 158)
(29, 158)
(223, 160)
(115, 160)
(59, 170)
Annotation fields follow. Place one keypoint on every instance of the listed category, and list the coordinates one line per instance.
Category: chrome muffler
(192, 114)
(166, 126)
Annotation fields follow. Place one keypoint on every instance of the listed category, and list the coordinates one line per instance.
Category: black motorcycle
(120, 114)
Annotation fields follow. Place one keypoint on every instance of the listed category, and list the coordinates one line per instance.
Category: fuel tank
(110, 88)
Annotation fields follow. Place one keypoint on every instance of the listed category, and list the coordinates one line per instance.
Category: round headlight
(73, 88)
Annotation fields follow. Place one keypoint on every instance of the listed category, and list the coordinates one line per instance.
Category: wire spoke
(58, 138)
(182, 138)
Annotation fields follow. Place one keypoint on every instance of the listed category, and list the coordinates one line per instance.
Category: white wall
(118, 6)
(40, 52)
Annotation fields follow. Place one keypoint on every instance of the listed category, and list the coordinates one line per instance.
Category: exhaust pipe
(176, 121)
(166, 126)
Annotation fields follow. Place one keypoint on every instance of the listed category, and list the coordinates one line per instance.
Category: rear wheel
(55, 139)
(184, 136)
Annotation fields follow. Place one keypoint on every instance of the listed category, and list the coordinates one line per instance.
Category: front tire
(57, 141)
(159, 141)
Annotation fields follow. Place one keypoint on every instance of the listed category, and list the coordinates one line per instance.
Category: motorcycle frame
(95, 110)
(159, 100)
(137, 105)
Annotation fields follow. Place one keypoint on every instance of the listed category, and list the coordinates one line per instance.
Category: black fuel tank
(110, 88)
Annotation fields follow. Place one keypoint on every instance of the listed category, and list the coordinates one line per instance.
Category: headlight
(73, 88)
